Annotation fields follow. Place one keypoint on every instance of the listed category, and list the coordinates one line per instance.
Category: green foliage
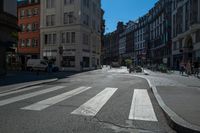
(128, 62)
(14, 35)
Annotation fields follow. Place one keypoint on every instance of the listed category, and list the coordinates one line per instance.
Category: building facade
(160, 32)
(186, 32)
(140, 40)
(112, 44)
(126, 42)
(29, 36)
(8, 30)
(107, 49)
(71, 33)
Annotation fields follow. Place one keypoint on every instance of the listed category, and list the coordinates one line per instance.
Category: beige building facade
(71, 33)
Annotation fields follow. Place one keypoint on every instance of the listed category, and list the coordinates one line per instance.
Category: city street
(100, 101)
(95, 66)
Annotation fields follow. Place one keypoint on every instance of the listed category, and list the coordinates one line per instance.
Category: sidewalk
(179, 97)
(19, 80)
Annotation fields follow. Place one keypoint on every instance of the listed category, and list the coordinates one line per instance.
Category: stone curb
(175, 121)
(30, 85)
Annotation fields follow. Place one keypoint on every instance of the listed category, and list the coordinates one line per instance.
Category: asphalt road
(102, 105)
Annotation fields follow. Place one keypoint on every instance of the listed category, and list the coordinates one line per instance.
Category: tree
(128, 62)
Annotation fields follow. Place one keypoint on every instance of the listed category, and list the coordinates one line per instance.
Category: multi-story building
(122, 45)
(111, 43)
(140, 40)
(126, 42)
(185, 31)
(29, 36)
(107, 48)
(8, 29)
(102, 37)
(160, 32)
(71, 33)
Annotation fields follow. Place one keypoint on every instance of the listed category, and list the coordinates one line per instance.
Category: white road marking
(141, 108)
(51, 101)
(21, 90)
(26, 96)
(92, 107)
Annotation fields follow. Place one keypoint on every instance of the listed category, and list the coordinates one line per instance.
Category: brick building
(29, 36)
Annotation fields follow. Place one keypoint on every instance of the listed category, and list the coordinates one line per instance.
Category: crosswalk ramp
(141, 107)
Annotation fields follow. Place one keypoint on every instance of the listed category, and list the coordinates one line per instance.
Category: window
(86, 62)
(45, 39)
(34, 43)
(73, 37)
(50, 38)
(69, 18)
(35, 11)
(22, 13)
(94, 24)
(174, 46)
(86, 3)
(86, 19)
(65, 18)
(68, 61)
(68, 2)
(29, 27)
(22, 27)
(67, 37)
(85, 39)
(28, 42)
(54, 38)
(198, 36)
(50, 3)
(50, 20)
(94, 7)
(63, 38)
(29, 12)
(34, 27)
(23, 43)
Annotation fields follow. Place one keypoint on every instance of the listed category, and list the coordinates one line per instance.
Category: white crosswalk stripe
(21, 90)
(29, 95)
(92, 107)
(51, 101)
(141, 108)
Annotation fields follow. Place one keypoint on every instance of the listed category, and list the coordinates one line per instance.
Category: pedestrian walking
(188, 68)
(182, 68)
(196, 68)
(50, 66)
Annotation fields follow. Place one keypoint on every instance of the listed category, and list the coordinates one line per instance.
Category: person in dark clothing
(50, 66)
(196, 68)
(182, 68)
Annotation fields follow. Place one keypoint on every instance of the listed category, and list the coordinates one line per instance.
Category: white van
(37, 64)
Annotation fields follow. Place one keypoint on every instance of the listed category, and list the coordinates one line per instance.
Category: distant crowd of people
(190, 68)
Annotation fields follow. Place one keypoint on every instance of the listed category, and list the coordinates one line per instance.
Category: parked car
(39, 65)
(138, 69)
(115, 64)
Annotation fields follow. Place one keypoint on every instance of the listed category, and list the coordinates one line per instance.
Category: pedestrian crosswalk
(29, 95)
(92, 107)
(51, 101)
(140, 108)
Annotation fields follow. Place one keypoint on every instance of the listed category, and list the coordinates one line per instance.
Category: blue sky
(124, 10)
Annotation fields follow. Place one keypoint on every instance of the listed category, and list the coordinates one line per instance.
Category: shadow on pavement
(24, 76)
